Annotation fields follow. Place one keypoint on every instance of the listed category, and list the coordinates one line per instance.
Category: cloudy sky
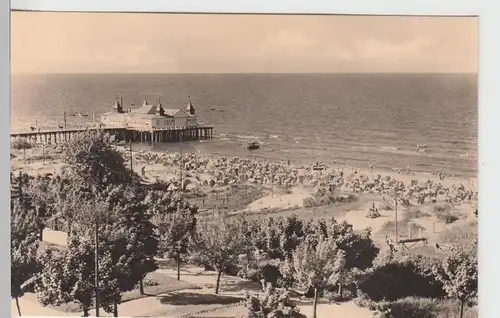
(176, 43)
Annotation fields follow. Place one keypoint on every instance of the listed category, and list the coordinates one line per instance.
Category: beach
(259, 187)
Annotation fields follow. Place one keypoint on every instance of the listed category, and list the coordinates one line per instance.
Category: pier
(128, 134)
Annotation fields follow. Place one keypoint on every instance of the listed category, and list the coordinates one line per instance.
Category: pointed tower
(118, 106)
(159, 108)
(145, 103)
(190, 108)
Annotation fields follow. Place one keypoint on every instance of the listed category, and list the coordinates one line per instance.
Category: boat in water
(318, 166)
(254, 144)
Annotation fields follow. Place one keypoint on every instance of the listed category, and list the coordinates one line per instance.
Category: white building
(150, 116)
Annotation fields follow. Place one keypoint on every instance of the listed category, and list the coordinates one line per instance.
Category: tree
(23, 248)
(91, 157)
(175, 230)
(459, 275)
(319, 266)
(291, 231)
(68, 276)
(217, 244)
(275, 304)
(358, 246)
(134, 218)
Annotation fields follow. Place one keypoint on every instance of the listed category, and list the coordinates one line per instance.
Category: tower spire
(190, 108)
(159, 108)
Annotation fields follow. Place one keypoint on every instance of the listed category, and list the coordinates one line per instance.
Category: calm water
(360, 119)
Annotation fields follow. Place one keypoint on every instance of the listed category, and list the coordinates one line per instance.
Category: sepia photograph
(243, 165)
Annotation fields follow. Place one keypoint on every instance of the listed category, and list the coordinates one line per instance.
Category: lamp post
(97, 296)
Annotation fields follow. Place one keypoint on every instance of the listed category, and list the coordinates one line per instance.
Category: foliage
(129, 233)
(175, 230)
(411, 307)
(69, 276)
(319, 266)
(287, 270)
(91, 157)
(127, 237)
(20, 143)
(458, 272)
(25, 227)
(23, 247)
(218, 245)
(358, 246)
(398, 278)
(275, 304)
(161, 202)
(270, 238)
(291, 235)
(18, 188)
(271, 274)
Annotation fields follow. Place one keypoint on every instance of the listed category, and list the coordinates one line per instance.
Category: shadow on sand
(184, 299)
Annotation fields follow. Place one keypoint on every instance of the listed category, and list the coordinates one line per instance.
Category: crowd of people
(223, 171)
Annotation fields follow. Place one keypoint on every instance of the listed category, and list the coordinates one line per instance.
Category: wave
(389, 148)
(244, 137)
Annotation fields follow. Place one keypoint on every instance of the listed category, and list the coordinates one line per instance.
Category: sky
(61, 42)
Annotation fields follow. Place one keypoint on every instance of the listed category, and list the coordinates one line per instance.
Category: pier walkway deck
(129, 133)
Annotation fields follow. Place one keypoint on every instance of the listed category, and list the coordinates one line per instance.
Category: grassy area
(404, 228)
(154, 284)
(459, 234)
(233, 197)
(415, 213)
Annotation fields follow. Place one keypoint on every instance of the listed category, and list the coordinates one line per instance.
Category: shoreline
(53, 163)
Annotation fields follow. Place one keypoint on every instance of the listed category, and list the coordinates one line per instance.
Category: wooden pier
(133, 134)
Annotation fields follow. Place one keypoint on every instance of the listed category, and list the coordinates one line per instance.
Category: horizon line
(233, 73)
(429, 15)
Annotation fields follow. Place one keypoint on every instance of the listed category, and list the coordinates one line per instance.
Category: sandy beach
(285, 187)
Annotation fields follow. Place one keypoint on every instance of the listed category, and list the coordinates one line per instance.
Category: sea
(360, 120)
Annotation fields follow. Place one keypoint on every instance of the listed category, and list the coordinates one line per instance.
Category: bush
(309, 202)
(443, 213)
(321, 198)
(447, 218)
(441, 208)
(396, 279)
(20, 144)
(411, 307)
(271, 274)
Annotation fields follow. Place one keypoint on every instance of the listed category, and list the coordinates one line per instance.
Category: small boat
(254, 144)
(422, 147)
(318, 166)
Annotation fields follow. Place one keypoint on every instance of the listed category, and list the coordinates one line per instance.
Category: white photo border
(489, 92)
